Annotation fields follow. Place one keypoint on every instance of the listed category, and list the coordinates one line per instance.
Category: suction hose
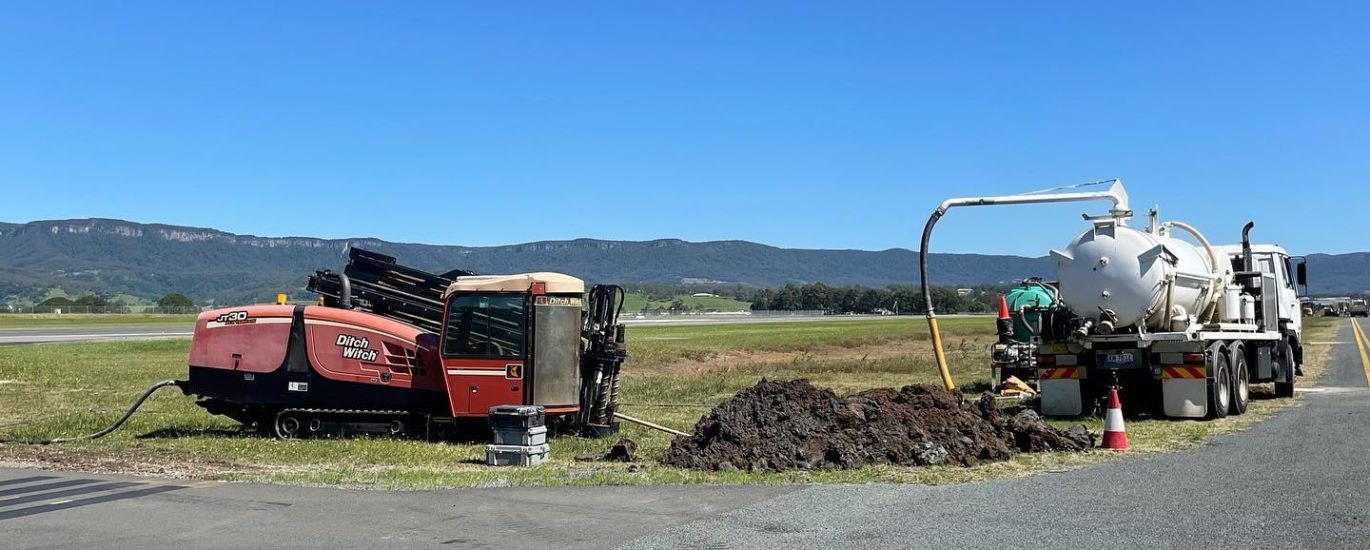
(938, 353)
(97, 435)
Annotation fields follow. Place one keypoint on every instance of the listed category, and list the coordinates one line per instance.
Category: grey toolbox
(517, 455)
(520, 436)
(516, 416)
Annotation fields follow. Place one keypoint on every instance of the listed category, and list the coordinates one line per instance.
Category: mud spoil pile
(788, 425)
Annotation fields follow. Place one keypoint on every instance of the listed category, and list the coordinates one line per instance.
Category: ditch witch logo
(356, 348)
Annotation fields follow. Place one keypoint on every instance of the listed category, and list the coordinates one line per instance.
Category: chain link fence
(125, 309)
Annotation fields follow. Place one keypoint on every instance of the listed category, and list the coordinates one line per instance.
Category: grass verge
(674, 375)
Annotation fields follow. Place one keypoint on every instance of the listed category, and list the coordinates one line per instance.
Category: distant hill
(109, 256)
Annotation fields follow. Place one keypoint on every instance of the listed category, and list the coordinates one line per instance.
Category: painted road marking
(40, 497)
(1360, 344)
(46, 486)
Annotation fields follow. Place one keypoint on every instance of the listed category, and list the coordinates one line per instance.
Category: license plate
(1120, 358)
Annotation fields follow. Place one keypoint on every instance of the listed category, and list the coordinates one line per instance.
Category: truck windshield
(484, 325)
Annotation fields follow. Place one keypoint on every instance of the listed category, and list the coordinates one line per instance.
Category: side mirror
(1302, 274)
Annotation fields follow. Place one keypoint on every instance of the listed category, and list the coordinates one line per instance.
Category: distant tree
(814, 296)
(872, 299)
(57, 301)
(761, 301)
(907, 299)
(787, 299)
(175, 302)
(847, 299)
(92, 300)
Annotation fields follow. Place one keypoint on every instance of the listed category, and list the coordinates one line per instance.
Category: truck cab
(1291, 282)
(1358, 308)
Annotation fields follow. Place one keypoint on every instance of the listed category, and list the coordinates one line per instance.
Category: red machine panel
(349, 346)
(249, 339)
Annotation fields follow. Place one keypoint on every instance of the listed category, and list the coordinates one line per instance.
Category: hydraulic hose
(117, 423)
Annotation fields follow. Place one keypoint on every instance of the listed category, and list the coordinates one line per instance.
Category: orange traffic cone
(1115, 434)
(1003, 307)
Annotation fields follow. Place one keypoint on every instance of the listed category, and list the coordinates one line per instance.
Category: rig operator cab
(512, 340)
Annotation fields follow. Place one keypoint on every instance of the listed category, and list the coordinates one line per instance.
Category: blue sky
(825, 125)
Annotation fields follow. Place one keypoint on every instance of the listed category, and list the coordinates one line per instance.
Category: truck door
(483, 351)
(1286, 295)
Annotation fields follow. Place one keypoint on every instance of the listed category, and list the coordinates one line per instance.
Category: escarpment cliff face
(117, 256)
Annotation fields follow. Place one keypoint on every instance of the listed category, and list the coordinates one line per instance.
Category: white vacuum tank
(1121, 277)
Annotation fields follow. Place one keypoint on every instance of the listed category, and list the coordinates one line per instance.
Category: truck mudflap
(1184, 391)
(1060, 391)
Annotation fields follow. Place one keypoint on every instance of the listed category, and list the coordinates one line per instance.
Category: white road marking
(475, 372)
(93, 336)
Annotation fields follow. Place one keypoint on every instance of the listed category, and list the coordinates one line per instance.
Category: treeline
(659, 292)
(856, 299)
(174, 302)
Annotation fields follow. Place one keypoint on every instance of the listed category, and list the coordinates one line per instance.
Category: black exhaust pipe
(345, 295)
(1247, 263)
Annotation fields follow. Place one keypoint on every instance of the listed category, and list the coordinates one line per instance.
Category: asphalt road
(12, 336)
(1298, 480)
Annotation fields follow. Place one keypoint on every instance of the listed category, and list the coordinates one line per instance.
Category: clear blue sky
(831, 125)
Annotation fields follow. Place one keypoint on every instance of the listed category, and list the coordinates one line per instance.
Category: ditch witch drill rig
(392, 349)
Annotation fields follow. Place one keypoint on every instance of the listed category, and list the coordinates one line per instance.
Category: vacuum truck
(1180, 326)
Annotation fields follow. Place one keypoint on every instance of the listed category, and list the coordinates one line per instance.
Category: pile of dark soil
(777, 425)
(623, 451)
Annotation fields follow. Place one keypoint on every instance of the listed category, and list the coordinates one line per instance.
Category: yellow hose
(941, 355)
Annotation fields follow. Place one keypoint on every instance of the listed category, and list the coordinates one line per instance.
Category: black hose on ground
(106, 431)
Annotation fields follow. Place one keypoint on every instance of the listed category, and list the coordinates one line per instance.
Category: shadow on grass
(179, 433)
(466, 436)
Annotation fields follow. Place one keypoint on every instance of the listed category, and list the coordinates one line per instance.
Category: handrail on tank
(1071, 193)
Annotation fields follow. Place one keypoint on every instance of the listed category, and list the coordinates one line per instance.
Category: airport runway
(103, 333)
(1297, 480)
(11, 336)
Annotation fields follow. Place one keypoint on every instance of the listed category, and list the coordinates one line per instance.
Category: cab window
(1265, 264)
(484, 325)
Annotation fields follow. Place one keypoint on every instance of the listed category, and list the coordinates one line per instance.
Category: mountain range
(115, 256)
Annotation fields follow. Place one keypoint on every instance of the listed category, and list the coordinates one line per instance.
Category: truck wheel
(288, 426)
(1241, 383)
(1219, 387)
(1284, 389)
(1287, 367)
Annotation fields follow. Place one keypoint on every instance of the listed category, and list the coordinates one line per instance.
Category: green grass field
(72, 320)
(673, 376)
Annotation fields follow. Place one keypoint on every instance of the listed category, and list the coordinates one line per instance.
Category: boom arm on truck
(1090, 191)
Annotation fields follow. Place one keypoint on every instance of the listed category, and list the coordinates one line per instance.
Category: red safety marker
(1115, 434)
(1003, 307)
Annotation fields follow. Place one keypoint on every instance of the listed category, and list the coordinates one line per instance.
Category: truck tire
(1219, 387)
(1287, 368)
(1284, 389)
(1241, 382)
